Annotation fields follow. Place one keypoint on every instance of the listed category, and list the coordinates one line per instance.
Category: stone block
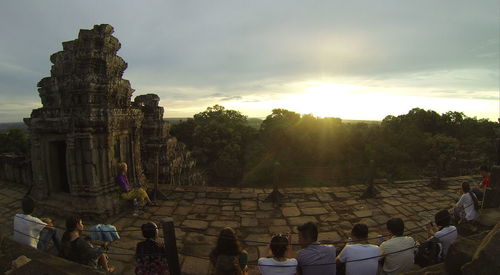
(248, 222)
(248, 205)
(197, 224)
(296, 221)
(329, 237)
(330, 217)
(290, 211)
(363, 213)
(222, 224)
(182, 210)
(392, 202)
(324, 197)
(314, 211)
(195, 266)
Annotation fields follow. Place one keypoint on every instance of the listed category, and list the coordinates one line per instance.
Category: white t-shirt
(269, 266)
(447, 236)
(355, 252)
(399, 262)
(27, 229)
(467, 203)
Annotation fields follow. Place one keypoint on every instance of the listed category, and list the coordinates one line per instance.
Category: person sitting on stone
(129, 193)
(33, 231)
(76, 248)
(397, 262)
(360, 257)
(481, 188)
(314, 258)
(281, 260)
(467, 206)
(228, 258)
(150, 255)
(443, 231)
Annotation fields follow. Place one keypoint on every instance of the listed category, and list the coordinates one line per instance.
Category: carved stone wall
(87, 125)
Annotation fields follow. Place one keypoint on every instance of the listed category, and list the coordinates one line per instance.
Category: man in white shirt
(360, 257)
(33, 231)
(281, 261)
(399, 249)
(443, 231)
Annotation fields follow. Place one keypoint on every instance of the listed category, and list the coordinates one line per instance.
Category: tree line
(308, 150)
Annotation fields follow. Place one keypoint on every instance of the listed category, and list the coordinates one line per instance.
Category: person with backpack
(228, 258)
(467, 206)
(281, 261)
(443, 231)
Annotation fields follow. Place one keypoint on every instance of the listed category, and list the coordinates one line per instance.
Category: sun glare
(324, 99)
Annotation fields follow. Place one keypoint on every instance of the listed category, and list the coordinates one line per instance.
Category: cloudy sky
(348, 59)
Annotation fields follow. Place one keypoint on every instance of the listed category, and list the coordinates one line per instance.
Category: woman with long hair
(467, 206)
(228, 257)
(76, 248)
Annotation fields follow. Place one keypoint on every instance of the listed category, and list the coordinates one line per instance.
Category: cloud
(187, 51)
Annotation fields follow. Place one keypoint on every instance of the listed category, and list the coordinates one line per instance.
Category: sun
(323, 99)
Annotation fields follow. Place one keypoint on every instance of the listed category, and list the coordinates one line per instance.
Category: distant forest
(304, 150)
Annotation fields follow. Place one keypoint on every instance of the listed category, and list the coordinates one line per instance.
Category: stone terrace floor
(199, 214)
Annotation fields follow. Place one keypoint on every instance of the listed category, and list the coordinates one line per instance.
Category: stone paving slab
(199, 214)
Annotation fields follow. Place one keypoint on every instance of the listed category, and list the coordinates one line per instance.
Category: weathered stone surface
(309, 204)
(195, 224)
(485, 259)
(195, 266)
(247, 205)
(290, 211)
(314, 211)
(489, 217)
(182, 210)
(324, 197)
(258, 239)
(363, 213)
(249, 222)
(329, 237)
(222, 224)
(460, 252)
(330, 217)
(392, 202)
(295, 221)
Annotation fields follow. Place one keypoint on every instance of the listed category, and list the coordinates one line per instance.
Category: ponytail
(475, 200)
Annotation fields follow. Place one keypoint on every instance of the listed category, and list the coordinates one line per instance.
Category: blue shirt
(317, 259)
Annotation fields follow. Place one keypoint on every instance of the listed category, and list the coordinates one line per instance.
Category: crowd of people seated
(395, 254)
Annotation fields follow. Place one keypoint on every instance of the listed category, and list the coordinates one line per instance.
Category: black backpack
(429, 253)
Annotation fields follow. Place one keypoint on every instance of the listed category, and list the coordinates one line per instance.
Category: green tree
(218, 138)
(14, 141)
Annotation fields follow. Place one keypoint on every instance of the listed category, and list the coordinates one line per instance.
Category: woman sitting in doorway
(129, 193)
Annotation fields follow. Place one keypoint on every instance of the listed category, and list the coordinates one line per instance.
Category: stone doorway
(58, 167)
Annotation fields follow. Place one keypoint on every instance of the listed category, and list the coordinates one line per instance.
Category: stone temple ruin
(88, 124)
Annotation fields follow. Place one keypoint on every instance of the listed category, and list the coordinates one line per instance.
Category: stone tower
(87, 125)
